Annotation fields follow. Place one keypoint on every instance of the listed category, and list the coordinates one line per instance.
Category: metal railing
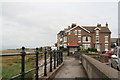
(56, 56)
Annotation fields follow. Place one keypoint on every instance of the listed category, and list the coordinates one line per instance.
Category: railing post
(61, 55)
(45, 63)
(57, 58)
(54, 59)
(23, 63)
(50, 60)
(37, 67)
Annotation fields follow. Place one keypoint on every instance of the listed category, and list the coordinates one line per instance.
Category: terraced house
(85, 37)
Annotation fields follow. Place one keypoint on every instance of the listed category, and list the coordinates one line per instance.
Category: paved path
(71, 69)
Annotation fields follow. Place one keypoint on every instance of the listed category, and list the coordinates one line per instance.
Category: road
(71, 69)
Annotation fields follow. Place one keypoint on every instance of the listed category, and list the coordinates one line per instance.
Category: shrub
(92, 49)
(84, 51)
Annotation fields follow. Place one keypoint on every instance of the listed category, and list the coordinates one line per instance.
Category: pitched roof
(73, 44)
(80, 27)
(91, 28)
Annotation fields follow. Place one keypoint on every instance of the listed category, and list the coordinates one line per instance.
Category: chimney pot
(106, 24)
(68, 27)
(98, 25)
(73, 25)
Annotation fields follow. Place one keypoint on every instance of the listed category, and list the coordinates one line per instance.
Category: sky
(36, 23)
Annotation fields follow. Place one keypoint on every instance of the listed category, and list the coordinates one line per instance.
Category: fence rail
(56, 54)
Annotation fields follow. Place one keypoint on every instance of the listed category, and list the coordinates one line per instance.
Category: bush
(84, 51)
(92, 49)
(103, 52)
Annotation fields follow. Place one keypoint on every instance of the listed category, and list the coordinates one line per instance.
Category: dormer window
(97, 32)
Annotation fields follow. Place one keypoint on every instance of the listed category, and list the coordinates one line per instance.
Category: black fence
(56, 56)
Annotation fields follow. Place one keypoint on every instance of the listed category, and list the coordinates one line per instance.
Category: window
(75, 32)
(79, 32)
(97, 32)
(79, 38)
(97, 46)
(106, 39)
(65, 45)
(97, 38)
(106, 47)
(86, 38)
(86, 46)
(65, 39)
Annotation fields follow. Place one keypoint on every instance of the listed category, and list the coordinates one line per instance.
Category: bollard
(54, 59)
(45, 63)
(50, 60)
(37, 67)
(23, 63)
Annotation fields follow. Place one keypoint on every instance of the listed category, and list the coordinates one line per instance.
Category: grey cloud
(37, 24)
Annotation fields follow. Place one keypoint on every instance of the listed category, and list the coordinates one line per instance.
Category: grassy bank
(9, 51)
(11, 66)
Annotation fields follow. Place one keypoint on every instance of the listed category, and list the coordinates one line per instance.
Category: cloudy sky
(35, 24)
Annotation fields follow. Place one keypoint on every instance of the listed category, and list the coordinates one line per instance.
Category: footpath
(71, 69)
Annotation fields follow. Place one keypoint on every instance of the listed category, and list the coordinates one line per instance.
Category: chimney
(106, 24)
(98, 25)
(73, 25)
(68, 27)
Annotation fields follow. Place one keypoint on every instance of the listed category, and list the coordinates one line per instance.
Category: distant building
(114, 40)
(98, 37)
(118, 42)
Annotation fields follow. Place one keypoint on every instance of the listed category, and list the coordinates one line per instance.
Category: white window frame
(65, 39)
(86, 46)
(98, 39)
(89, 39)
(75, 32)
(65, 45)
(79, 32)
(97, 46)
(79, 37)
(97, 32)
(106, 37)
(106, 49)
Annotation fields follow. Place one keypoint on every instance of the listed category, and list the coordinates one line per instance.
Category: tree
(40, 48)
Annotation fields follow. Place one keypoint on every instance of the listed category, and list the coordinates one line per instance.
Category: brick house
(86, 37)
